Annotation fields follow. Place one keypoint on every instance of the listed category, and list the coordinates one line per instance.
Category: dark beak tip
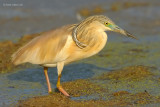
(126, 33)
(130, 35)
(135, 38)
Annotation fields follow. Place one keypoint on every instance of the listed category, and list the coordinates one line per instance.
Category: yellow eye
(106, 23)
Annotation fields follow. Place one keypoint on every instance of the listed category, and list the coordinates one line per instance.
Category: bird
(66, 44)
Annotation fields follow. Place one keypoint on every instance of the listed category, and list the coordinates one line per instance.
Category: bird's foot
(50, 92)
(63, 91)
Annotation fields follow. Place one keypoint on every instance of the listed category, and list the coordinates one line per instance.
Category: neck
(89, 33)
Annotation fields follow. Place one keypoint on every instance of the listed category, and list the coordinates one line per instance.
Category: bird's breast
(97, 46)
(75, 53)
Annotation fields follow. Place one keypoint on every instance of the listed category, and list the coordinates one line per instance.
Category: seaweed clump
(140, 98)
(128, 73)
(82, 87)
(124, 5)
(85, 12)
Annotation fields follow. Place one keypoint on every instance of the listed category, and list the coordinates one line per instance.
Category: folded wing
(44, 48)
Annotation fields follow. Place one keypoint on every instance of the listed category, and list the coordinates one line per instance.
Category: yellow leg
(60, 68)
(59, 81)
(47, 79)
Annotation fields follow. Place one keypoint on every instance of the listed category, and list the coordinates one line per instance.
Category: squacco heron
(67, 44)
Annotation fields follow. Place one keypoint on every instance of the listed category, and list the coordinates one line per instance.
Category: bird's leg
(60, 66)
(47, 79)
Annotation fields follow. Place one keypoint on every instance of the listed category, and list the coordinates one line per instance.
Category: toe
(63, 91)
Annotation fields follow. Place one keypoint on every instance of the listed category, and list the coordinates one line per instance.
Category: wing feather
(44, 48)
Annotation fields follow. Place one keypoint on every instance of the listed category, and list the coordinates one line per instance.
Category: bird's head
(109, 25)
(101, 22)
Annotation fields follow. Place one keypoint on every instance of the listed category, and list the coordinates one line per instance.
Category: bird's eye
(106, 23)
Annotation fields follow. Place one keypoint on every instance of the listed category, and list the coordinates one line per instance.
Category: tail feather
(16, 57)
(22, 54)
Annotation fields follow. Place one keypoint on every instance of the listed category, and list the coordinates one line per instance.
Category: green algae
(135, 99)
(110, 87)
(128, 73)
(76, 88)
(118, 55)
(120, 98)
(128, 86)
(134, 79)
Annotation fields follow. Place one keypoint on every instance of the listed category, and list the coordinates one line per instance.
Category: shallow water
(142, 21)
(31, 82)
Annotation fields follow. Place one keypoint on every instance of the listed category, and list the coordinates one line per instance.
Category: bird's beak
(117, 29)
